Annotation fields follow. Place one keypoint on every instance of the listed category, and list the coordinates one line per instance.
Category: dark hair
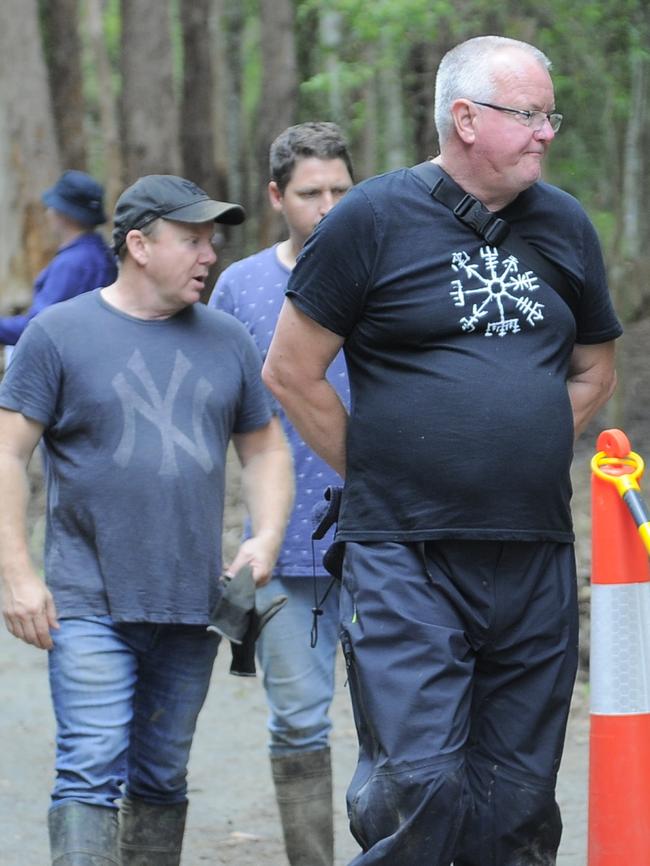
(321, 139)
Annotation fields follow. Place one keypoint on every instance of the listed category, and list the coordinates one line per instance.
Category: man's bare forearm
(15, 557)
(268, 490)
(591, 381)
(27, 604)
(295, 371)
(586, 401)
(321, 419)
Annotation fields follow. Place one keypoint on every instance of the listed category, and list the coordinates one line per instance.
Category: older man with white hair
(471, 302)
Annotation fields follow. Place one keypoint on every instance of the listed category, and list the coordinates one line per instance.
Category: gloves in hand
(236, 617)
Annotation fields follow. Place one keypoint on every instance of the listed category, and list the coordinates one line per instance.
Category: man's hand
(29, 611)
(260, 552)
(27, 604)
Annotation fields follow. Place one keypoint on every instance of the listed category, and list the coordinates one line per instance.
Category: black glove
(236, 617)
(230, 615)
(243, 654)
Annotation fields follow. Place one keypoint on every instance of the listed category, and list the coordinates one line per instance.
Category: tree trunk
(424, 59)
(367, 162)
(330, 39)
(149, 115)
(106, 103)
(392, 98)
(630, 268)
(232, 153)
(633, 155)
(226, 48)
(28, 153)
(63, 55)
(196, 127)
(278, 101)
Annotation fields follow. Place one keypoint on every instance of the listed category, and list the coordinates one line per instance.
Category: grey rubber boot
(150, 834)
(83, 835)
(303, 789)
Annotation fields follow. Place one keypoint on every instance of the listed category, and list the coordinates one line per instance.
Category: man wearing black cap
(136, 389)
(83, 260)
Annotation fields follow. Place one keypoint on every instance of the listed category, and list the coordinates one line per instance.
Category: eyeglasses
(532, 119)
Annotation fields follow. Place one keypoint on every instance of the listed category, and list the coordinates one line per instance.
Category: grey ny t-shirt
(138, 415)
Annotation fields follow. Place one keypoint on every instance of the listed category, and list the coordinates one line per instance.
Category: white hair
(468, 71)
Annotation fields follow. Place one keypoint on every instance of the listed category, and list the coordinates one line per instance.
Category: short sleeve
(334, 271)
(32, 382)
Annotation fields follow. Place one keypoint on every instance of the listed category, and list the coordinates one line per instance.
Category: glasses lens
(537, 120)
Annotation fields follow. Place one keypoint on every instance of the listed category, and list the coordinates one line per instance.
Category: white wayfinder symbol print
(496, 291)
(159, 411)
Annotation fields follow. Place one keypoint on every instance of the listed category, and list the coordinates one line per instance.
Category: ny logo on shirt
(159, 409)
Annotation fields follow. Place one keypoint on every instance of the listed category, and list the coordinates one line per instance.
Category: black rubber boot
(83, 835)
(303, 789)
(150, 834)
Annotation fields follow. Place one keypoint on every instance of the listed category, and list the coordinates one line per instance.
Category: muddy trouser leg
(461, 661)
(409, 672)
(523, 684)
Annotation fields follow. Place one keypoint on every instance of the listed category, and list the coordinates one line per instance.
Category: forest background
(200, 88)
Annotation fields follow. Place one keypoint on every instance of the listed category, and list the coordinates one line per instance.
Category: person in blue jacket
(83, 260)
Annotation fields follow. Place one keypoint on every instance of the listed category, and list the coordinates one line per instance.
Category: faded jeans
(299, 679)
(126, 698)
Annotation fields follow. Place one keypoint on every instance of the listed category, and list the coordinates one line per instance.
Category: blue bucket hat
(78, 196)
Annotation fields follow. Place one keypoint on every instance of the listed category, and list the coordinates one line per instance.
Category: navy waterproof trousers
(461, 661)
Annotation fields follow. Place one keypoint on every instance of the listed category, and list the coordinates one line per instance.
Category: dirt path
(232, 818)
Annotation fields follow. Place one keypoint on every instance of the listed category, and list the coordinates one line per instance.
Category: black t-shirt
(460, 424)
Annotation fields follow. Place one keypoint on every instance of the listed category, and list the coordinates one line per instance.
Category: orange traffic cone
(619, 747)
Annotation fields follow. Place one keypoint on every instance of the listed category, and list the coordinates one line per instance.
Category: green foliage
(393, 20)
(594, 45)
(112, 30)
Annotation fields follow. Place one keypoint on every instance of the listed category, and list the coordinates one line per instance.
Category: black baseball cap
(77, 195)
(165, 196)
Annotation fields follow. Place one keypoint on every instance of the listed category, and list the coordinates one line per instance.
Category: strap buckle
(470, 211)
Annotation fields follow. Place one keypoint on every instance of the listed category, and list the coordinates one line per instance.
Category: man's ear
(464, 113)
(275, 197)
(136, 244)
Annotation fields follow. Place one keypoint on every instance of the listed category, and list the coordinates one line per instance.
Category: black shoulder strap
(495, 231)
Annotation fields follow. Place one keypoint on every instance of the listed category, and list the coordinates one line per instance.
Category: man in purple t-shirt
(310, 172)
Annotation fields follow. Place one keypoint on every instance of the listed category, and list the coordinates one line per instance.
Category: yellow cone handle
(624, 471)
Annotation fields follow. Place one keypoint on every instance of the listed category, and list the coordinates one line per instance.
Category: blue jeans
(298, 679)
(126, 699)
